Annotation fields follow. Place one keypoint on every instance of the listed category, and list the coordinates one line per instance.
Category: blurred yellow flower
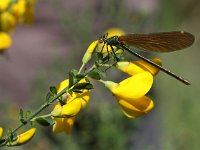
(18, 10)
(134, 67)
(4, 4)
(130, 94)
(1, 132)
(64, 115)
(5, 41)
(29, 12)
(111, 32)
(7, 22)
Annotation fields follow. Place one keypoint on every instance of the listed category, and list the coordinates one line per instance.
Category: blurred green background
(42, 55)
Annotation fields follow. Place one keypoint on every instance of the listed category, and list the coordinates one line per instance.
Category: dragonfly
(156, 42)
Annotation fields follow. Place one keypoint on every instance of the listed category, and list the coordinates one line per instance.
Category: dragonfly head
(103, 38)
(109, 41)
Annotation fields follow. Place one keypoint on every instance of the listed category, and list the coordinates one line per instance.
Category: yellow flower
(23, 138)
(1, 132)
(62, 124)
(83, 97)
(134, 67)
(29, 12)
(4, 4)
(5, 41)
(111, 32)
(7, 22)
(130, 94)
(64, 116)
(18, 10)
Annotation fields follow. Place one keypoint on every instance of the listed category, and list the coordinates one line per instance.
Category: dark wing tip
(190, 37)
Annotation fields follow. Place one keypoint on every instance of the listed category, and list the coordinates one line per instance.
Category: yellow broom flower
(130, 94)
(64, 116)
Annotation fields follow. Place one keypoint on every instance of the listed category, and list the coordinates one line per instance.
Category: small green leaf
(21, 116)
(74, 71)
(28, 114)
(45, 121)
(79, 77)
(72, 77)
(95, 75)
(49, 96)
(81, 86)
(53, 90)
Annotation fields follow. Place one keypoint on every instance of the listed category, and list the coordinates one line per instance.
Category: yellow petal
(136, 108)
(130, 110)
(142, 104)
(63, 125)
(24, 137)
(134, 87)
(62, 85)
(58, 126)
(72, 108)
(68, 124)
(1, 132)
(114, 31)
(5, 41)
(84, 98)
(135, 67)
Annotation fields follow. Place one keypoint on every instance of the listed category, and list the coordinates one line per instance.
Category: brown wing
(159, 42)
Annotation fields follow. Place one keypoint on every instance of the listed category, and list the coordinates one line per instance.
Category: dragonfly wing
(159, 42)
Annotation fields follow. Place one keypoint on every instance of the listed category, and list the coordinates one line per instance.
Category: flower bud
(24, 137)
(89, 52)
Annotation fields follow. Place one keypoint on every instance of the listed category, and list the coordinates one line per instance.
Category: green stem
(81, 68)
